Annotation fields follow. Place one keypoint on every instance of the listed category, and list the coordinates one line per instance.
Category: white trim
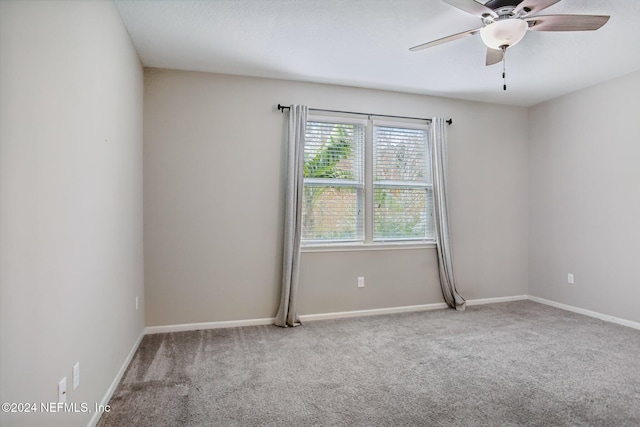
(340, 118)
(321, 316)
(208, 325)
(402, 123)
(406, 309)
(605, 317)
(357, 247)
(372, 312)
(116, 381)
(497, 300)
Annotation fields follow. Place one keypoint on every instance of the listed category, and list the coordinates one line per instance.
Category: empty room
(319, 213)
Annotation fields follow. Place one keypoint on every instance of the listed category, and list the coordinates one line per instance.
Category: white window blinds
(333, 182)
(402, 182)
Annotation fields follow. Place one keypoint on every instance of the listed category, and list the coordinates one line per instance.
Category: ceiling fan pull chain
(504, 68)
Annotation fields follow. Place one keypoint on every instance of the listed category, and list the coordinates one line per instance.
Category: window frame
(398, 184)
(368, 242)
(328, 182)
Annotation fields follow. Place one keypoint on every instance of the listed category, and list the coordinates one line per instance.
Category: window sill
(363, 247)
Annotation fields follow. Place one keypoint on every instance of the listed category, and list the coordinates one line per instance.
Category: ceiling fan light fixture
(505, 32)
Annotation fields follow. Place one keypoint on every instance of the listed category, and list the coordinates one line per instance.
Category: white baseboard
(482, 301)
(372, 312)
(406, 309)
(207, 325)
(114, 384)
(378, 311)
(605, 317)
(320, 316)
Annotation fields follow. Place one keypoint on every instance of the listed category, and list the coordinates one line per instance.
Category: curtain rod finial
(450, 122)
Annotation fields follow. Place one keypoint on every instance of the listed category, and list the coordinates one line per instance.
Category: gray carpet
(517, 363)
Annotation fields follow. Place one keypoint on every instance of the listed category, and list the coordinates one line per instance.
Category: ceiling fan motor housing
(503, 8)
(497, 4)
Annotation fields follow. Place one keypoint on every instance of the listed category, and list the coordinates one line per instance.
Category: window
(366, 181)
(333, 182)
(402, 184)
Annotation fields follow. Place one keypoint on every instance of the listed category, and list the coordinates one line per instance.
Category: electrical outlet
(62, 390)
(137, 305)
(76, 375)
(361, 282)
(570, 279)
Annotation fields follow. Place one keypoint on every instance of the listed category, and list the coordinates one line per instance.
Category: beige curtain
(287, 312)
(441, 218)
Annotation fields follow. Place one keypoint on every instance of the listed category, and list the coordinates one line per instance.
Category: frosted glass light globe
(506, 32)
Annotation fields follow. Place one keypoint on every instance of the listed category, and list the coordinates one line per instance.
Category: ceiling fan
(505, 22)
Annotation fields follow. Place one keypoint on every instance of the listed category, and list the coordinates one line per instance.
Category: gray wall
(70, 202)
(584, 158)
(213, 190)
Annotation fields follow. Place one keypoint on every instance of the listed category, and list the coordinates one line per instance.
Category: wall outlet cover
(76, 375)
(62, 390)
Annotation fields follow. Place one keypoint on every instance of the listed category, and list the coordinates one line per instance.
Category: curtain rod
(284, 107)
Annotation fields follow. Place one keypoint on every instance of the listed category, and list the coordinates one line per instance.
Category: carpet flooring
(508, 364)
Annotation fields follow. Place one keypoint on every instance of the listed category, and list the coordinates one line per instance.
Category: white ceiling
(365, 43)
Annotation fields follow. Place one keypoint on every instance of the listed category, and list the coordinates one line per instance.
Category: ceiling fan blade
(472, 7)
(494, 56)
(566, 22)
(445, 40)
(529, 7)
